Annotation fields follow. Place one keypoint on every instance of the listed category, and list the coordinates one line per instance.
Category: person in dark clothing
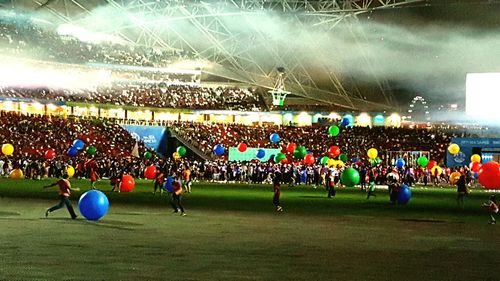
(461, 191)
(371, 183)
(64, 193)
(277, 179)
(176, 198)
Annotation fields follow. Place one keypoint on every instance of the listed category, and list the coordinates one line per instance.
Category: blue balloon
(400, 163)
(355, 160)
(260, 153)
(404, 194)
(78, 144)
(274, 137)
(72, 151)
(345, 121)
(93, 205)
(168, 184)
(219, 150)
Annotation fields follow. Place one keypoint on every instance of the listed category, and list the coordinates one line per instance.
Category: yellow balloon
(16, 174)
(339, 163)
(439, 170)
(475, 158)
(176, 156)
(70, 171)
(372, 153)
(7, 149)
(454, 177)
(454, 148)
(331, 162)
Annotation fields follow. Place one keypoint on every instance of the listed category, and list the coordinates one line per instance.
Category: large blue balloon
(260, 153)
(404, 194)
(219, 149)
(400, 163)
(274, 137)
(93, 205)
(168, 184)
(78, 144)
(72, 151)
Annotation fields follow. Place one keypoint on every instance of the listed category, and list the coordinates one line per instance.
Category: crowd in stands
(24, 38)
(32, 135)
(151, 95)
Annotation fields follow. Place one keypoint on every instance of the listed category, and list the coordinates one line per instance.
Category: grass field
(232, 233)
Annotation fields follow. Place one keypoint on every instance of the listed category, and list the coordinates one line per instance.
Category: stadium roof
(245, 40)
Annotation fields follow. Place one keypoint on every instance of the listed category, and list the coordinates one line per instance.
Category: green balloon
(343, 157)
(181, 150)
(148, 155)
(350, 177)
(280, 156)
(324, 160)
(333, 131)
(373, 162)
(91, 150)
(296, 154)
(378, 160)
(302, 152)
(422, 161)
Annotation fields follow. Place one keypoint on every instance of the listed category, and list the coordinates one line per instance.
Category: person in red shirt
(93, 176)
(64, 193)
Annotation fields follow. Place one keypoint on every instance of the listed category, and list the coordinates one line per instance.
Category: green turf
(232, 233)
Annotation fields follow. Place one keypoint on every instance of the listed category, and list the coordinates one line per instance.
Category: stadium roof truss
(216, 41)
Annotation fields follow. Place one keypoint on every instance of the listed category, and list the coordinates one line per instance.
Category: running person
(492, 208)
(64, 193)
(159, 181)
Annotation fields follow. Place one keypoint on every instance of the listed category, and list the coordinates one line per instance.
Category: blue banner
(466, 145)
(153, 137)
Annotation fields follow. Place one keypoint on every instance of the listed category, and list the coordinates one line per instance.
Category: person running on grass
(176, 197)
(64, 193)
(492, 208)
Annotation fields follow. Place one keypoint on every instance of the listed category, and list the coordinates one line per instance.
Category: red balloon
(431, 164)
(127, 184)
(489, 175)
(242, 147)
(475, 166)
(309, 159)
(334, 151)
(284, 161)
(291, 147)
(150, 172)
(49, 154)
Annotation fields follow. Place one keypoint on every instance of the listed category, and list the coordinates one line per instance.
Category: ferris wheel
(418, 110)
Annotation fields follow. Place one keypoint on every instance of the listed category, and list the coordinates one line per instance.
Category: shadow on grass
(115, 224)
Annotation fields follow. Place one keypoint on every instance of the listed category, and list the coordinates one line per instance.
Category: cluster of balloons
(7, 149)
(93, 205)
